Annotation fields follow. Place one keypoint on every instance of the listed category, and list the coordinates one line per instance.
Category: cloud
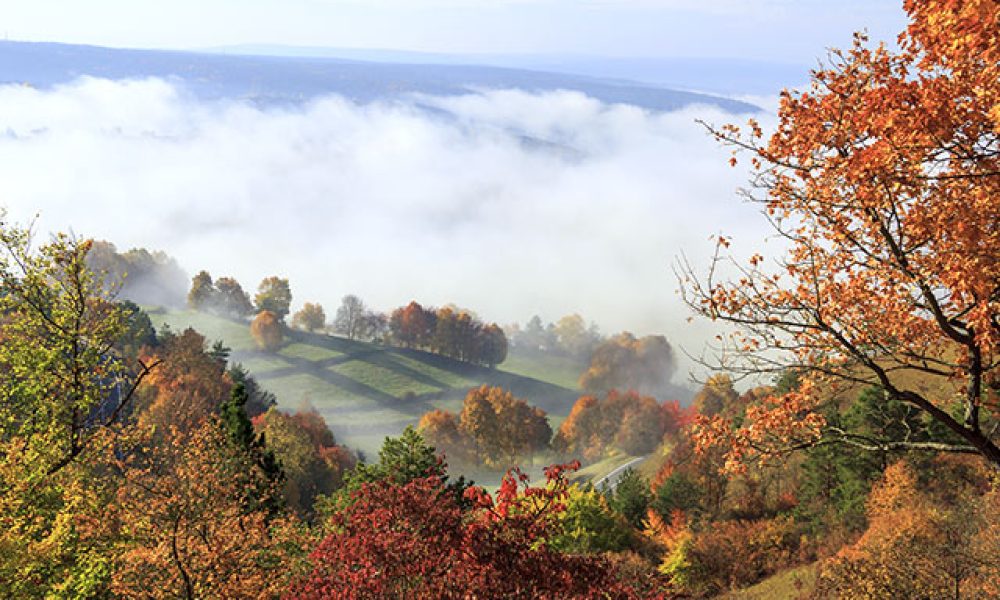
(503, 201)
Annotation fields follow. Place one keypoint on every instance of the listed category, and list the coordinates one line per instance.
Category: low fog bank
(504, 201)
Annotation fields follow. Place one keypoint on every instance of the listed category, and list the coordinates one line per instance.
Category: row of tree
(646, 365)
(447, 331)
(629, 422)
(493, 428)
(450, 332)
(570, 336)
(226, 296)
(496, 429)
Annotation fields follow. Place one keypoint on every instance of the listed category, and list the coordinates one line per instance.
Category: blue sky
(781, 30)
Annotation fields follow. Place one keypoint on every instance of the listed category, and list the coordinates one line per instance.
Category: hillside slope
(366, 391)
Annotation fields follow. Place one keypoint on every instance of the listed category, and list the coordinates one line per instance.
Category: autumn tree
(469, 331)
(479, 422)
(274, 295)
(185, 528)
(882, 178)
(311, 317)
(397, 329)
(502, 428)
(442, 430)
(446, 340)
(311, 460)
(633, 423)
(729, 555)
(188, 387)
(625, 362)
(923, 540)
(581, 433)
(493, 346)
(413, 326)
(64, 387)
(232, 300)
(460, 335)
(203, 293)
(267, 331)
(642, 426)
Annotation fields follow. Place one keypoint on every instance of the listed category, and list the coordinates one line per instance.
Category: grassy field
(564, 372)
(366, 391)
(787, 585)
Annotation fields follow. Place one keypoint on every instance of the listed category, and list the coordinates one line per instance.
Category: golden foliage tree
(632, 423)
(310, 458)
(311, 317)
(188, 386)
(924, 540)
(267, 331)
(494, 428)
(442, 430)
(185, 528)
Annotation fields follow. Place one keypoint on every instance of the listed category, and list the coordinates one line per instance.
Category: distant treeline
(139, 275)
(622, 361)
(450, 332)
(570, 336)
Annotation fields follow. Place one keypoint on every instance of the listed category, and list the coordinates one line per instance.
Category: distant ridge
(288, 79)
(727, 76)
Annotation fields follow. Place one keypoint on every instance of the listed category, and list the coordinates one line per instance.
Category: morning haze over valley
(516, 299)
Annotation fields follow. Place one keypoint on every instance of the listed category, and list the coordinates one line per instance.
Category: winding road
(610, 481)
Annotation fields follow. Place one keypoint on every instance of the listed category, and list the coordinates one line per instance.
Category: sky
(775, 30)
(517, 204)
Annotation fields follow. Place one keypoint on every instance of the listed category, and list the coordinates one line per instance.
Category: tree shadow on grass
(551, 398)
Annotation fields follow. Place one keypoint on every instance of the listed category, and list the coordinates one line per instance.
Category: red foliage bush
(415, 541)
